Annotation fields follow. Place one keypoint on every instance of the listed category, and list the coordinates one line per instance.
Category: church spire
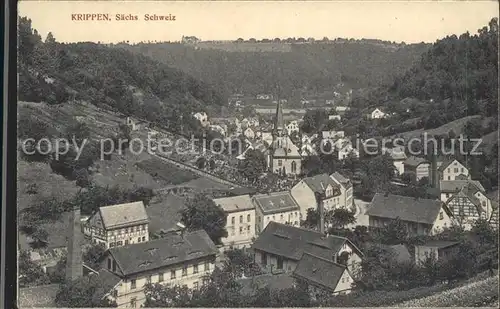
(279, 123)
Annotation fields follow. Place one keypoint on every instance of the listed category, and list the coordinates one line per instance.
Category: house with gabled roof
(118, 225)
(450, 187)
(417, 168)
(439, 250)
(452, 169)
(346, 189)
(183, 259)
(468, 205)
(275, 207)
(240, 224)
(280, 247)
(420, 216)
(323, 276)
(316, 191)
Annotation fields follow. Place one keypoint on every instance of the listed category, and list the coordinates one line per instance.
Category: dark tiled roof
(169, 250)
(107, 281)
(451, 186)
(319, 183)
(165, 214)
(404, 207)
(276, 202)
(41, 296)
(415, 161)
(340, 178)
(319, 272)
(292, 242)
(445, 164)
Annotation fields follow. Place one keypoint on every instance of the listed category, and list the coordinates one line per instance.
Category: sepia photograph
(257, 154)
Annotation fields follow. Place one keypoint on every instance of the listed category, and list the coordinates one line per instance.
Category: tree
(486, 233)
(394, 233)
(254, 165)
(30, 273)
(160, 296)
(92, 255)
(341, 217)
(79, 132)
(240, 263)
(202, 213)
(83, 292)
(50, 38)
(312, 218)
(200, 162)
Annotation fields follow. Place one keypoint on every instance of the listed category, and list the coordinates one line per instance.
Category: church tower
(74, 262)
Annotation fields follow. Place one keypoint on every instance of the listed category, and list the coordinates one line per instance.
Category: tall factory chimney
(74, 262)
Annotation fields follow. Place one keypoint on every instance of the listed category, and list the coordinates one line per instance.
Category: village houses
(281, 248)
(118, 225)
(317, 191)
(346, 190)
(377, 113)
(278, 207)
(420, 216)
(438, 250)
(452, 169)
(241, 222)
(202, 117)
(468, 205)
(417, 168)
(398, 157)
(183, 259)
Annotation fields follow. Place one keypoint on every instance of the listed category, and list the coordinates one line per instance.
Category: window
(112, 244)
(281, 217)
(143, 227)
(248, 228)
(115, 293)
(126, 230)
(248, 218)
(263, 259)
(441, 215)
(195, 285)
(138, 239)
(241, 230)
(126, 242)
(184, 271)
(241, 219)
(109, 263)
(133, 302)
(143, 238)
(342, 280)
(132, 284)
(294, 167)
(207, 266)
(455, 170)
(280, 162)
(195, 268)
(449, 177)
(274, 218)
(462, 169)
(160, 277)
(119, 243)
(279, 262)
(172, 274)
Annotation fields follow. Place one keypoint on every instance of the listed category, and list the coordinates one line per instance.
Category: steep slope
(108, 78)
(305, 67)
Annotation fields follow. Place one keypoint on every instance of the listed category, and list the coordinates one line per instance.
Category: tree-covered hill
(305, 68)
(110, 78)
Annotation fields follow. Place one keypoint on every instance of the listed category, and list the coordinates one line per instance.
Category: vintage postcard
(257, 154)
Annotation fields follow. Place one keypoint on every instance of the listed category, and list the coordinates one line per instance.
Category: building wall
(464, 212)
(271, 262)
(287, 217)
(414, 228)
(304, 196)
(398, 164)
(453, 170)
(279, 163)
(125, 293)
(115, 237)
(485, 203)
(442, 221)
(344, 284)
(348, 197)
(240, 234)
(422, 171)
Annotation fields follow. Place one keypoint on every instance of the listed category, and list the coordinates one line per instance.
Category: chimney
(434, 172)
(321, 212)
(74, 262)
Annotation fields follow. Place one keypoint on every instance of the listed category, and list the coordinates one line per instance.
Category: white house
(249, 133)
(202, 117)
(278, 207)
(346, 189)
(292, 126)
(377, 114)
(451, 169)
(173, 260)
(313, 192)
(118, 225)
(240, 224)
(346, 150)
(334, 117)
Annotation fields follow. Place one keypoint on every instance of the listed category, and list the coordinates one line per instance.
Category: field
(246, 47)
(165, 172)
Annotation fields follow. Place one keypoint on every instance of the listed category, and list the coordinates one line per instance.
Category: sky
(400, 21)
